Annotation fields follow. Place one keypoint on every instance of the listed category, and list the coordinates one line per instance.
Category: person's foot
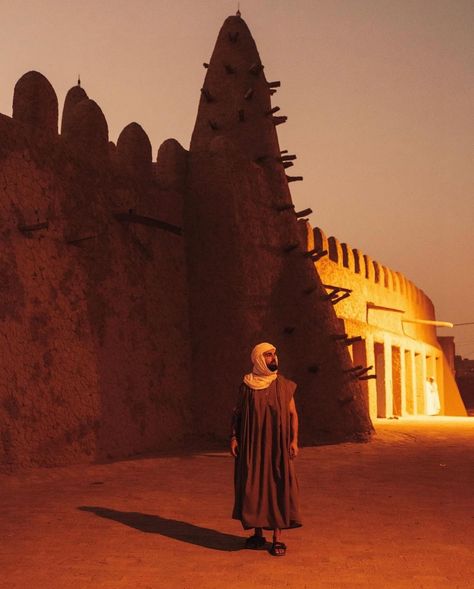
(255, 542)
(278, 549)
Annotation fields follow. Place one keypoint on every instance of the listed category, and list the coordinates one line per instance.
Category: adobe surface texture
(122, 334)
(395, 513)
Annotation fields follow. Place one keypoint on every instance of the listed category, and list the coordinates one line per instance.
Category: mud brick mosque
(132, 289)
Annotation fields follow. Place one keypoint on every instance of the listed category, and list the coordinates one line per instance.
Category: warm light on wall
(429, 322)
(429, 420)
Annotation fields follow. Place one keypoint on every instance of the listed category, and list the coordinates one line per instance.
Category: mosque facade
(133, 288)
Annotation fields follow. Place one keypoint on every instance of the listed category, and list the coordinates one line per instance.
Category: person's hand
(234, 447)
(294, 449)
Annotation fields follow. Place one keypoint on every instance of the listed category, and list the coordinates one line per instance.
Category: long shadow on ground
(172, 528)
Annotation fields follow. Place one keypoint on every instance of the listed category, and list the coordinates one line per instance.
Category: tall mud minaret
(250, 276)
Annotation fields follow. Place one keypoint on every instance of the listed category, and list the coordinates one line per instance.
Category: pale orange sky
(378, 96)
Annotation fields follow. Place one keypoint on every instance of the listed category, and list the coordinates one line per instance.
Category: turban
(261, 376)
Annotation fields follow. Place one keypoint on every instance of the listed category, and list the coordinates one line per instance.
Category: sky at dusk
(378, 96)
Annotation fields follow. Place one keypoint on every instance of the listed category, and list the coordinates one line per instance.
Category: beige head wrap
(261, 376)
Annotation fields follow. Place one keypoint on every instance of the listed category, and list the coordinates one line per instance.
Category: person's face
(271, 359)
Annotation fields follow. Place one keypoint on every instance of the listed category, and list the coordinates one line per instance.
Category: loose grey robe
(266, 487)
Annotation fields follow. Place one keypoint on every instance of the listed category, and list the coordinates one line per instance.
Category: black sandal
(255, 542)
(278, 549)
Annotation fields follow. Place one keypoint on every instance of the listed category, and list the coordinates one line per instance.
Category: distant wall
(384, 308)
(381, 297)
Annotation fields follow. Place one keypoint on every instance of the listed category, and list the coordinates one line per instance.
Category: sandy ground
(396, 512)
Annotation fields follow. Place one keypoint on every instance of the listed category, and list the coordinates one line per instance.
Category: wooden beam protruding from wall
(131, 217)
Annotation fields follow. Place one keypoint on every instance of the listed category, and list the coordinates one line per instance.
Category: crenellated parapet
(83, 148)
(84, 134)
(378, 295)
(364, 266)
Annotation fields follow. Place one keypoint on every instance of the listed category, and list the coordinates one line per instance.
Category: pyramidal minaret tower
(252, 274)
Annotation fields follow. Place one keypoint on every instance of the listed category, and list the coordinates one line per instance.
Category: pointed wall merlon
(88, 131)
(347, 257)
(378, 273)
(412, 291)
(75, 95)
(134, 150)
(306, 235)
(369, 268)
(395, 281)
(359, 262)
(430, 304)
(387, 278)
(320, 239)
(335, 250)
(172, 162)
(402, 283)
(35, 105)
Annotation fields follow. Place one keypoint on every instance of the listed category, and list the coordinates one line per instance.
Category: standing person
(264, 442)
(432, 404)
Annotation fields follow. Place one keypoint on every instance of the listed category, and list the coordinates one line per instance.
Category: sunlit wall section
(390, 327)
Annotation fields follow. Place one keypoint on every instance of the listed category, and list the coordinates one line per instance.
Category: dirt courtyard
(396, 512)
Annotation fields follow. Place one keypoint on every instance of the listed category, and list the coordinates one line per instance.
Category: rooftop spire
(235, 97)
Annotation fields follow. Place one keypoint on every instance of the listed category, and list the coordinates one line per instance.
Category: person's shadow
(172, 528)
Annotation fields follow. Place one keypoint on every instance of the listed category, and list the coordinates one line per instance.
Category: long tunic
(265, 482)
